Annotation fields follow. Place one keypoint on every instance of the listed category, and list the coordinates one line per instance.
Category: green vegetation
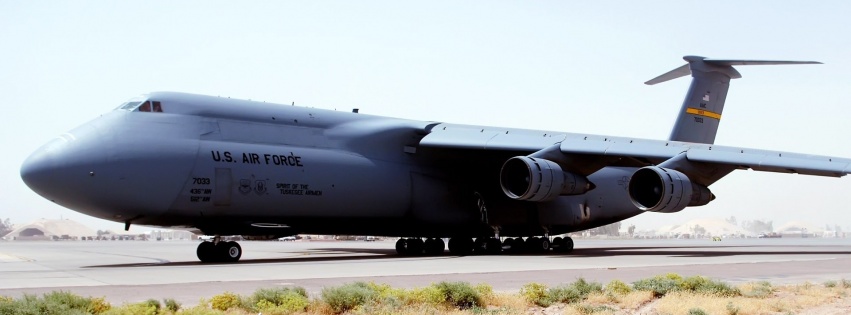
(460, 294)
(697, 311)
(57, 302)
(662, 285)
(760, 290)
(540, 295)
(348, 296)
(617, 287)
(225, 301)
(669, 293)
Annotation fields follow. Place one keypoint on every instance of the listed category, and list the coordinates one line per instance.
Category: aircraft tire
(493, 246)
(537, 244)
(415, 246)
(206, 252)
(509, 242)
(556, 243)
(480, 246)
(460, 246)
(518, 245)
(427, 246)
(402, 247)
(542, 244)
(229, 251)
(529, 244)
(434, 246)
(566, 245)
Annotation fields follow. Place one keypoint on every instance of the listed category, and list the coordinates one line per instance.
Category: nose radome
(62, 170)
(39, 167)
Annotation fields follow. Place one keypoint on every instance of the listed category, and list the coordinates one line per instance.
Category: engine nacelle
(534, 179)
(658, 189)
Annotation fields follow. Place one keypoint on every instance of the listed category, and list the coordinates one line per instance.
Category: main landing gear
(463, 246)
(219, 251)
(416, 246)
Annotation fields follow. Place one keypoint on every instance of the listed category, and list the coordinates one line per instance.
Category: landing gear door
(222, 191)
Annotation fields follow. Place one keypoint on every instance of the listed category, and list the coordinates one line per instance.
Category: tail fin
(701, 111)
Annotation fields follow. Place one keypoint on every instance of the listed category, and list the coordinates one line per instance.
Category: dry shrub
(319, 307)
(808, 295)
(682, 302)
(760, 290)
(485, 292)
(133, 309)
(602, 298)
(389, 308)
(597, 303)
(98, 305)
(508, 301)
(430, 295)
(635, 299)
(587, 309)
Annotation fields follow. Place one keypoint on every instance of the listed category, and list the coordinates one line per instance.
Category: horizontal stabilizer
(686, 69)
(670, 75)
(724, 62)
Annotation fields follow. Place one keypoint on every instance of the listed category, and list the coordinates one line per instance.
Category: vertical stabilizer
(704, 102)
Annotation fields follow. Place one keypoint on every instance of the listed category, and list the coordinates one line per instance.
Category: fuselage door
(222, 192)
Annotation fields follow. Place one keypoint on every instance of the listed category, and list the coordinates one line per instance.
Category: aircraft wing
(593, 152)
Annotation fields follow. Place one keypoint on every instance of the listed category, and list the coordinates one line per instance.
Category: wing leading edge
(609, 151)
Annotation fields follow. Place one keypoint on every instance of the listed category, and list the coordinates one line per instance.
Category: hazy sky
(554, 65)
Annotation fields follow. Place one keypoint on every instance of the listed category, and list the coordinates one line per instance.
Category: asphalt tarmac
(131, 271)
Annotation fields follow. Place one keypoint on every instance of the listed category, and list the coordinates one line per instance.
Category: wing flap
(655, 150)
(774, 161)
(458, 138)
(485, 138)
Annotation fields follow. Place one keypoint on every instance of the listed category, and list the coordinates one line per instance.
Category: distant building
(44, 229)
(800, 229)
(170, 235)
(704, 228)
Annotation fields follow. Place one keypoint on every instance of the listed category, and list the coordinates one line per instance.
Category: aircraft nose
(40, 165)
(65, 167)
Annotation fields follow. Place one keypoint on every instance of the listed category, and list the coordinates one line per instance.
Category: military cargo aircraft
(222, 167)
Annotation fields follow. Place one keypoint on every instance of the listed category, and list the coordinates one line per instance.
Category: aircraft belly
(277, 182)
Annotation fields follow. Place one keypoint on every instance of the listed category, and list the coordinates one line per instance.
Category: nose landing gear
(219, 251)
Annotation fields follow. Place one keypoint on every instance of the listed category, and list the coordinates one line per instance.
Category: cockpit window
(130, 106)
(142, 106)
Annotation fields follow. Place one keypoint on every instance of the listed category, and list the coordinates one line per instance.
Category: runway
(129, 271)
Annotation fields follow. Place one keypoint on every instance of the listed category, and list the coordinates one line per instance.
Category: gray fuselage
(228, 167)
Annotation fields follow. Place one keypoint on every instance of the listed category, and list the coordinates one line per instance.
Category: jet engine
(535, 179)
(658, 189)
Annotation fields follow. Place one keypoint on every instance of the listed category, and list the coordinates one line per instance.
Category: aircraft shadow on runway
(703, 251)
(333, 254)
(313, 255)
